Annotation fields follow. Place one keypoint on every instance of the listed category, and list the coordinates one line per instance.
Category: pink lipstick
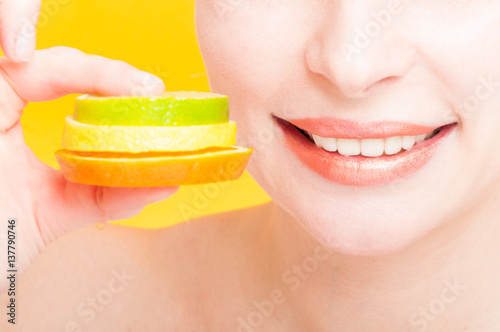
(360, 170)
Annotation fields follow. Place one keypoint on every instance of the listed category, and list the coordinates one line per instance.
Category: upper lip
(338, 128)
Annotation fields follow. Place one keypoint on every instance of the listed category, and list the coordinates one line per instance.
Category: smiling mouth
(363, 154)
(373, 147)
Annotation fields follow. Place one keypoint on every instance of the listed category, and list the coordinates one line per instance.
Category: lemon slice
(175, 108)
(85, 137)
(154, 169)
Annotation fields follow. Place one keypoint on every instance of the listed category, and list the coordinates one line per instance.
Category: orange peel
(153, 169)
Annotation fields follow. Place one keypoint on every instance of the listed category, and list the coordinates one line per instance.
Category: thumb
(81, 205)
(123, 203)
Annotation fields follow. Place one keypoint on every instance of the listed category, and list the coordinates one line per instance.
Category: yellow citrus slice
(84, 137)
(176, 108)
(153, 169)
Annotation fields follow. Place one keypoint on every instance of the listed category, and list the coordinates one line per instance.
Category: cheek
(254, 57)
(458, 49)
(462, 52)
(252, 50)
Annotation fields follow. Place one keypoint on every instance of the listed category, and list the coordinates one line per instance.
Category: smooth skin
(418, 254)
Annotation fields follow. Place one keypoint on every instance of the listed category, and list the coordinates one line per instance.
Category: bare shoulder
(102, 280)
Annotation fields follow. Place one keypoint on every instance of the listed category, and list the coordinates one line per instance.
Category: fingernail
(25, 43)
(145, 79)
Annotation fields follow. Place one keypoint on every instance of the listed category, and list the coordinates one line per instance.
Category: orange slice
(153, 169)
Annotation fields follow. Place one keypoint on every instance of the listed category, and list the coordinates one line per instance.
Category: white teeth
(420, 138)
(372, 147)
(408, 142)
(393, 145)
(317, 140)
(369, 147)
(329, 143)
(349, 147)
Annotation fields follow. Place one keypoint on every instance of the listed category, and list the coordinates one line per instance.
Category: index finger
(18, 20)
(58, 71)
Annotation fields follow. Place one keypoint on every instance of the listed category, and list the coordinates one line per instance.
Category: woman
(402, 237)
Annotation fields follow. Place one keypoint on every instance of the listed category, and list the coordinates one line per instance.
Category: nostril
(383, 82)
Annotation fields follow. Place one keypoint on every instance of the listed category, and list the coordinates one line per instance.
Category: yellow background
(156, 36)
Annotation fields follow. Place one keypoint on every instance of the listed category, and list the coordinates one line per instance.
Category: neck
(446, 281)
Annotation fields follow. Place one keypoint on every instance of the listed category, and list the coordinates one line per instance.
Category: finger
(18, 20)
(82, 205)
(59, 71)
(88, 205)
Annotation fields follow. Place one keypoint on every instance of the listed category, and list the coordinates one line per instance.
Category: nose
(358, 47)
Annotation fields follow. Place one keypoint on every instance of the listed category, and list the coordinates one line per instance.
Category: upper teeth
(369, 147)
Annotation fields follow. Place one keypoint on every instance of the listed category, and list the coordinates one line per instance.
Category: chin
(363, 221)
(360, 229)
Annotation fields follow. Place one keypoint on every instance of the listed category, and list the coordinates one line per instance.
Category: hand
(45, 204)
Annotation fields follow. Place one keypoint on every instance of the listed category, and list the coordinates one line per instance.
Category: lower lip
(360, 170)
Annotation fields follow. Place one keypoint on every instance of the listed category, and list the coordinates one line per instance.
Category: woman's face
(371, 70)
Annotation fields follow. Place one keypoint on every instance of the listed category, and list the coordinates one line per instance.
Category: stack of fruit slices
(179, 138)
